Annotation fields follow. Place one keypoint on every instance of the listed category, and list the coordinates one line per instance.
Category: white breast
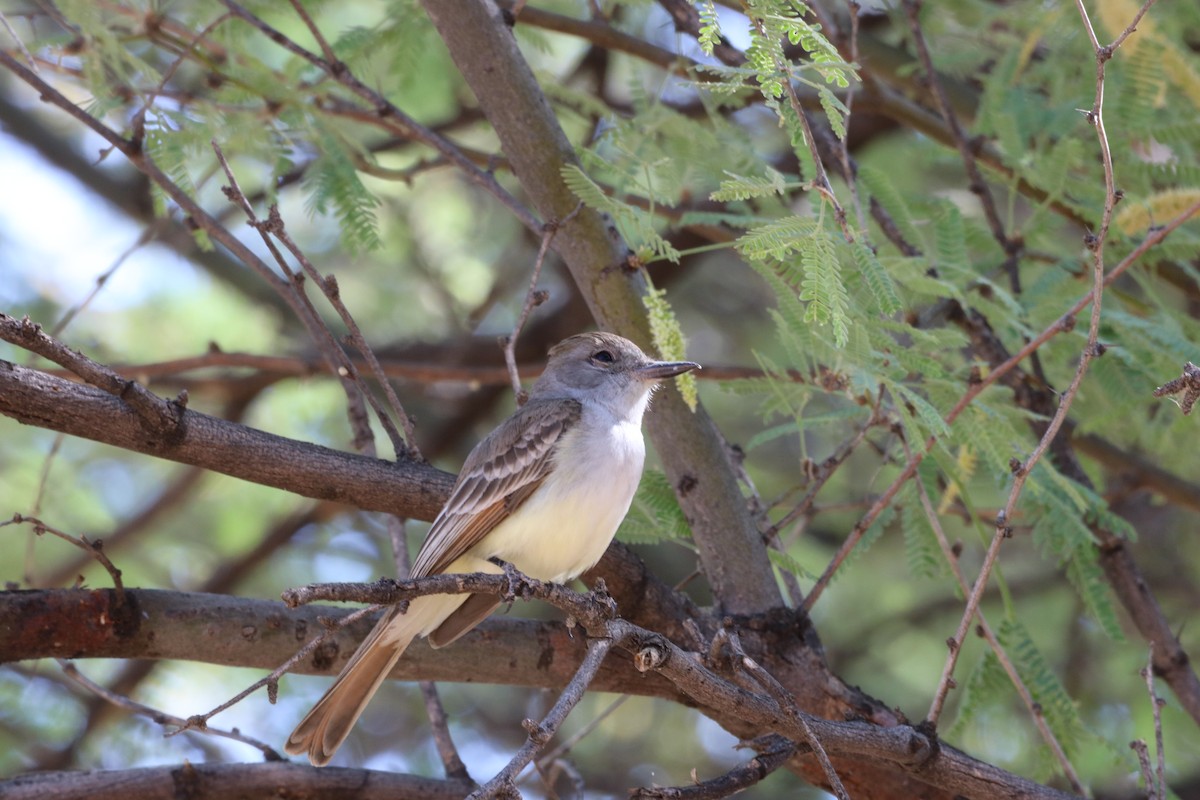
(567, 523)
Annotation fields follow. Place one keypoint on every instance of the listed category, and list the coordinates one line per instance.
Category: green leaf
(668, 339)
(877, 278)
(332, 181)
(635, 225)
(786, 561)
(823, 287)
(921, 548)
(1047, 690)
(987, 685)
(883, 190)
(950, 243)
(777, 238)
(655, 515)
(737, 187)
(710, 27)
(1089, 581)
(835, 111)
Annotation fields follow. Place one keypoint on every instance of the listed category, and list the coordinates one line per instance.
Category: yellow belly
(567, 523)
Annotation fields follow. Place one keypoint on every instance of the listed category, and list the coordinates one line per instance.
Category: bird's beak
(657, 370)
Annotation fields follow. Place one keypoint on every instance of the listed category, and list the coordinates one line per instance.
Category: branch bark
(224, 781)
(262, 634)
(405, 488)
(877, 761)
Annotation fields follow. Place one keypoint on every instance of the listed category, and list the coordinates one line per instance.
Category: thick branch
(256, 633)
(405, 488)
(223, 781)
(262, 634)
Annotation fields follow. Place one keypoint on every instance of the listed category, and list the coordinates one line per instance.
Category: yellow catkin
(967, 461)
(1157, 209)
(1116, 14)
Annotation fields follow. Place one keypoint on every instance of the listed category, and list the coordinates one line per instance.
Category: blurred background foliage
(706, 185)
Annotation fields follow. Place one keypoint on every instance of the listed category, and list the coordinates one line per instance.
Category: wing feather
(501, 472)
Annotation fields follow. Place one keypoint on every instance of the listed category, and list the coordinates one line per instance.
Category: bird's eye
(603, 356)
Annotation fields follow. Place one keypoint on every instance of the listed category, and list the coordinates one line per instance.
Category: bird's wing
(500, 474)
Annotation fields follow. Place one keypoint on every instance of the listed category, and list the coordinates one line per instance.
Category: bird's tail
(328, 724)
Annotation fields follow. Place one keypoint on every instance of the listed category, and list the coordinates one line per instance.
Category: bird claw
(514, 580)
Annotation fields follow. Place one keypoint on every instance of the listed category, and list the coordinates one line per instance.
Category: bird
(545, 492)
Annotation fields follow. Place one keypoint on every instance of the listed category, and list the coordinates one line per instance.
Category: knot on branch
(650, 652)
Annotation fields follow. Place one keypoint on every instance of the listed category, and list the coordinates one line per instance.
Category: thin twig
(993, 641)
(271, 681)
(160, 717)
(20, 44)
(329, 287)
(95, 549)
(773, 752)
(540, 733)
(1022, 470)
(143, 239)
(330, 56)
(159, 415)
(338, 362)
(820, 181)
(843, 147)
(533, 298)
(1143, 756)
(1010, 246)
(36, 508)
(787, 702)
(579, 735)
(826, 469)
(138, 124)
(439, 722)
(1156, 784)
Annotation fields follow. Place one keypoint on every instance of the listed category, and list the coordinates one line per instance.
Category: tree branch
(405, 488)
(223, 781)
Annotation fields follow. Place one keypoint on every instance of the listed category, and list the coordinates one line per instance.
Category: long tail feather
(328, 724)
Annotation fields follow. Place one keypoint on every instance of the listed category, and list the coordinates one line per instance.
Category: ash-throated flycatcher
(545, 492)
